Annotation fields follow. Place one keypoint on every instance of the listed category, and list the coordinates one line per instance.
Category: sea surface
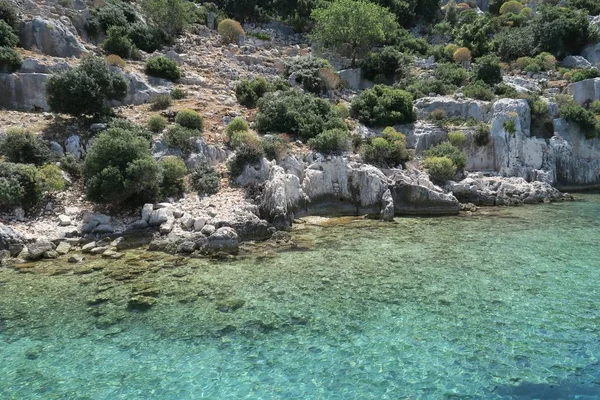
(501, 304)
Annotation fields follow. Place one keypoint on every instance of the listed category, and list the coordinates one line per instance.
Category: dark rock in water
(141, 303)
(10, 240)
(546, 391)
(230, 304)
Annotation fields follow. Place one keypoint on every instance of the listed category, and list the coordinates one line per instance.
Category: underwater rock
(37, 249)
(224, 239)
(230, 304)
(141, 303)
(76, 258)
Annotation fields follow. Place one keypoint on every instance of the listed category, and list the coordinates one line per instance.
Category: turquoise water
(504, 304)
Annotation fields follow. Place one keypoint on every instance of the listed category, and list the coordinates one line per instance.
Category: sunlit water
(502, 304)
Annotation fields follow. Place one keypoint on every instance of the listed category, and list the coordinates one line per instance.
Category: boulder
(141, 91)
(354, 80)
(63, 248)
(576, 62)
(147, 211)
(10, 240)
(254, 173)
(453, 107)
(74, 147)
(51, 36)
(160, 216)
(64, 220)
(37, 249)
(585, 91)
(592, 54)
(224, 239)
(23, 91)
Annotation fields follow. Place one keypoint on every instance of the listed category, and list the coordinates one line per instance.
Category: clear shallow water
(502, 305)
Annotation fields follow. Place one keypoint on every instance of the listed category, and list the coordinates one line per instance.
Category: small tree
(21, 146)
(172, 16)
(359, 24)
(85, 89)
(7, 35)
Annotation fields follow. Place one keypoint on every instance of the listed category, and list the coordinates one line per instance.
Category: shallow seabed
(502, 304)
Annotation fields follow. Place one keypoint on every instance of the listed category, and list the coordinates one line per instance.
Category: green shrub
(230, 30)
(125, 124)
(595, 107)
(182, 138)
(20, 185)
(507, 91)
(146, 38)
(387, 151)
(487, 69)
(478, 90)
(511, 6)
(118, 43)
(341, 111)
(157, 123)
(332, 141)
(445, 149)
(173, 172)
(52, 178)
(510, 126)
(437, 115)
(71, 166)
(190, 119)
(452, 74)
(457, 139)
(171, 16)
(10, 60)
(115, 61)
(585, 119)
(514, 43)
(424, 87)
(21, 146)
(389, 62)
(591, 6)
(244, 138)
(309, 73)
(383, 105)
(8, 14)
(84, 90)
(161, 102)
(119, 169)
(249, 92)
(7, 35)
(178, 94)
(162, 67)
(274, 147)
(236, 125)
(481, 137)
(204, 179)
(440, 169)
(243, 156)
(584, 74)
(297, 114)
(475, 35)
(113, 13)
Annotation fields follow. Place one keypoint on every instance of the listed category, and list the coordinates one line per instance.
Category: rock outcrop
(453, 107)
(592, 54)
(57, 38)
(585, 91)
(10, 240)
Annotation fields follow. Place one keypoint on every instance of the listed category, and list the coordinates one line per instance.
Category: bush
(115, 60)
(249, 92)
(182, 138)
(10, 60)
(341, 111)
(236, 125)
(591, 6)
(20, 185)
(388, 62)
(457, 139)
(594, 107)
(71, 166)
(332, 141)
(21, 146)
(461, 55)
(424, 87)
(510, 126)
(452, 74)
(297, 114)
(383, 105)
(119, 169)
(585, 119)
(230, 31)
(113, 13)
(244, 138)
(204, 179)
(52, 178)
(487, 69)
(481, 137)
(8, 14)
(514, 43)
(157, 123)
(274, 147)
(440, 169)
(437, 115)
(146, 38)
(478, 90)
(178, 94)
(584, 74)
(504, 90)
(511, 6)
(171, 16)
(125, 124)
(161, 102)
(7, 35)
(445, 149)
(162, 67)
(118, 43)
(173, 172)
(309, 73)
(243, 156)
(84, 90)
(387, 151)
(190, 119)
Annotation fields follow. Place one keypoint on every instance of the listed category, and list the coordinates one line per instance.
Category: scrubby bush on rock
(71, 166)
(181, 137)
(156, 123)
(440, 169)
(457, 139)
(118, 43)
(236, 125)
(171, 16)
(125, 124)
(230, 31)
(22, 146)
(248, 92)
(310, 73)
(20, 185)
(275, 147)
(173, 171)
(478, 90)
(584, 74)
(487, 69)
(387, 151)
(513, 43)
(119, 169)
(243, 156)
(481, 137)
(388, 62)
(8, 14)
(585, 119)
(332, 141)
(85, 89)
(178, 94)
(240, 139)
(115, 60)
(424, 87)
(204, 179)
(445, 149)
(296, 113)
(10, 60)
(162, 67)
(161, 102)
(383, 105)
(190, 119)
(452, 74)
(8, 38)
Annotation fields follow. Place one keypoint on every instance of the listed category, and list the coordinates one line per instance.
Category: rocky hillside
(453, 119)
